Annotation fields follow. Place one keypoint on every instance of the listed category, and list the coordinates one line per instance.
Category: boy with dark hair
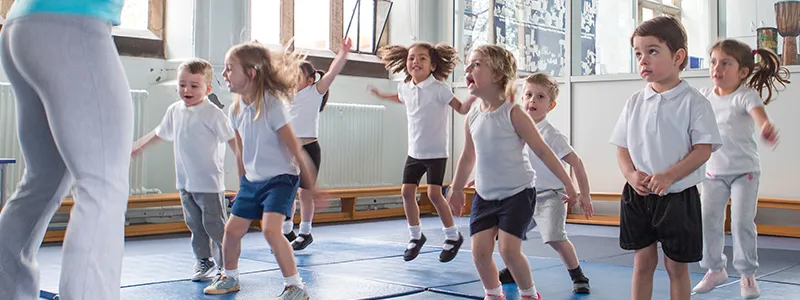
(664, 136)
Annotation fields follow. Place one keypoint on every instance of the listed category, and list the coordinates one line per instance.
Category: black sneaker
(505, 276)
(580, 285)
(202, 269)
(302, 241)
(290, 236)
(448, 255)
(412, 253)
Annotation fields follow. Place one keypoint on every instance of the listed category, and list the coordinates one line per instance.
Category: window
(265, 21)
(312, 24)
(365, 22)
(135, 15)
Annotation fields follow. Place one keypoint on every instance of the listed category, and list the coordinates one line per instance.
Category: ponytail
(768, 72)
(325, 96)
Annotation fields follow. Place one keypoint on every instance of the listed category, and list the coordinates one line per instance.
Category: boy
(664, 136)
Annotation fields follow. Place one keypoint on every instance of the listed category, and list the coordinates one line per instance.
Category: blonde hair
(197, 66)
(277, 73)
(443, 58)
(545, 80)
(502, 63)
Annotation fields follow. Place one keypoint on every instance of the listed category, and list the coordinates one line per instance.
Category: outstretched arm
(144, 142)
(462, 107)
(384, 96)
(336, 67)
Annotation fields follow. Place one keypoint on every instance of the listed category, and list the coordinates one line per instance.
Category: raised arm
(336, 67)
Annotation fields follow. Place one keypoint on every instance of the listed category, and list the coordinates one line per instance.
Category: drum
(787, 16)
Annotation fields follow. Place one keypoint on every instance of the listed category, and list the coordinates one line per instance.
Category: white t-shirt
(659, 130)
(502, 168)
(199, 134)
(304, 112)
(426, 104)
(739, 151)
(264, 154)
(558, 142)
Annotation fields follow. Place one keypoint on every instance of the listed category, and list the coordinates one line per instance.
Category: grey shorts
(550, 215)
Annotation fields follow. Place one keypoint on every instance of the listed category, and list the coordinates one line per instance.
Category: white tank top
(502, 168)
(304, 112)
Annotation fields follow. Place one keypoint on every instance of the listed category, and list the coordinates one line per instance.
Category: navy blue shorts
(274, 195)
(512, 214)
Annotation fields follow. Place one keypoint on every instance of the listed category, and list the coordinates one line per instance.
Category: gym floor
(364, 261)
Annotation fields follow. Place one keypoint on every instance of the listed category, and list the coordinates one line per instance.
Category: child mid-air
(496, 133)
(268, 155)
(540, 91)
(311, 97)
(734, 170)
(199, 130)
(426, 99)
(664, 135)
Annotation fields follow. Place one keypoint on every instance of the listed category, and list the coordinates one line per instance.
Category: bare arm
(525, 129)
(466, 162)
(580, 172)
(634, 177)
(236, 145)
(660, 183)
(144, 142)
(462, 107)
(287, 136)
(336, 67)
(768, 130)
(384, 96)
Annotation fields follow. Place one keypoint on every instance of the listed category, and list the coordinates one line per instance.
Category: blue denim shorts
(274, 195)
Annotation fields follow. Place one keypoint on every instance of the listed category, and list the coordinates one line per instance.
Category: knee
(409, 195)
(435, 194)
(234, 233)
(305, 196)
(482, 256)
(272, 232)
(507, 252)
(675, 269)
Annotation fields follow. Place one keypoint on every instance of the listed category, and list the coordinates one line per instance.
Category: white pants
(75, 125)
(742, 190)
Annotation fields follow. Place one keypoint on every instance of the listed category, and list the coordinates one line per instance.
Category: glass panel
(312, 23)
(135, 15)
(535, 32)
(265, 21)
(477, 24)
(361, 27)
(611, 23)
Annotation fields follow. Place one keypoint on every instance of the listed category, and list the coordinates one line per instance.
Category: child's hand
(456, 200)
(372, 89)
(659, 183)
(347, 44)
(769, 133)
(585, 203)
(471, 183)
(136, 151)
(571, 196)
(638, 180)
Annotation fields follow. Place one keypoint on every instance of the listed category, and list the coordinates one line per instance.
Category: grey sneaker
(203, 269)
(293, 292)
(222, 285)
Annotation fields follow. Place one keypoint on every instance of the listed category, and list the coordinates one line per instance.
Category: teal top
(107, 10)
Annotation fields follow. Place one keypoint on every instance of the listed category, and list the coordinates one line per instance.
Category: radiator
(351, 138)
(9, 144)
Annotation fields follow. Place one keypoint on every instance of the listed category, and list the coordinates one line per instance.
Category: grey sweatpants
(742, 190)
(205, 215)
(75, 125)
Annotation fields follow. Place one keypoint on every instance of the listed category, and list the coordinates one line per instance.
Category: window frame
(384, 31)
(132, 42)
(672, 10)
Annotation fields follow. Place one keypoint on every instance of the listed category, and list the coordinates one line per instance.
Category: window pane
(361, 27)
(476, 25)
(265, 21)
(312, 24)
(647, 14)
(534, 33)
(610, 51)
(695, 15)
(135, 14)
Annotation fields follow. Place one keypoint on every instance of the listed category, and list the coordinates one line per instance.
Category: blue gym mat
(769, 291)
(329, 252)
(788, 275)
(428, 295)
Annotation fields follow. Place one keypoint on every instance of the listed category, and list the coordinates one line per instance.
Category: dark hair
(443, 59)
(764, 74)
(668, 30)
(309, 71)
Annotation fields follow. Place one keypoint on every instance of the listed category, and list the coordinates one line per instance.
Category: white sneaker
(710, 281)
(749, 287)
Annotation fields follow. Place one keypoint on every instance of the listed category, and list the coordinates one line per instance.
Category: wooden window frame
(673, 10)
(148, 43)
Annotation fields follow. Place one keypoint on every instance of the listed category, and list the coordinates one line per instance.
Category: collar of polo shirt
(671, 94)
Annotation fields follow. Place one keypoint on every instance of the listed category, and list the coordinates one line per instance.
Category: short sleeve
(277, 114)
(222, 126)
(619, 136)
(231, 116)
(166, 130)
(559, 143)
(400, 94)
(703, 127)
(445, 94)
(749, 101)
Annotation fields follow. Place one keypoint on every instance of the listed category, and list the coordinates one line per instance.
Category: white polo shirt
(199, 134)
(558, 142)
(264, 154)
(739, 151)
(659, 130)
(427, 104)
(304, 112)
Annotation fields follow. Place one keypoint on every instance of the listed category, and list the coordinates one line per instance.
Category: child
(311, 97)
(199, 130)
(496, 133)
(426, 99)
(664, 135)
(550, 213)
(733, 172)
(268, 155)
(75, 126)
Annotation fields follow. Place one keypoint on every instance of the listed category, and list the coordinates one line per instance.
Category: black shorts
(675, 220)
(315, 153)
(512, 214)
(415, 168)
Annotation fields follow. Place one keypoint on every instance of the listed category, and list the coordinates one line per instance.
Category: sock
(305, 227)
(530, 293)
(498, 291)
(450, 233)
(287, 226)
(577, 274)
(294, 280)
(415, 231)
(231, 273)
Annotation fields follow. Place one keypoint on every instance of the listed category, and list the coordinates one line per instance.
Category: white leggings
(742, 190)
(75, 125)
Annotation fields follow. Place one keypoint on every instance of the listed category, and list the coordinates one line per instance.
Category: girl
(426, 99)
(311, 97)
(496, 133)
(733, 171)
(268, 156)
(93, 149)
(199, 129)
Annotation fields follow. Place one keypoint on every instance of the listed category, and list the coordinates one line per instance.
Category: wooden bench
(763, 229)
